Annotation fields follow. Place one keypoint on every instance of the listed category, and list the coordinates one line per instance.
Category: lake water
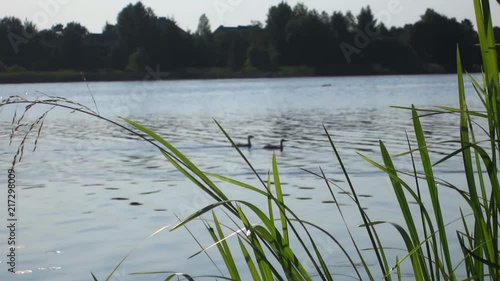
(91, 192)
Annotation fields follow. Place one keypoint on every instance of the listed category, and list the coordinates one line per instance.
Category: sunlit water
(91, 192)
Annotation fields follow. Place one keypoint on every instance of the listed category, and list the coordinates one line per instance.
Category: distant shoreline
(192, 73)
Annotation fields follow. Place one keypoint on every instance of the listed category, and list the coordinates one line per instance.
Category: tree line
(337, 43)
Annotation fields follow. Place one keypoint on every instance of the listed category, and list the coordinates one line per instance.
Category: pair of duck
(268, 146)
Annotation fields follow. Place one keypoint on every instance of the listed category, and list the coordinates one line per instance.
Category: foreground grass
(276, 243)
(266, 244)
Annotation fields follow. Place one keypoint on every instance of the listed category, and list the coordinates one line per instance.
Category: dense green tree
(341, 32)
(174, 47)
(340, 27)
(137, 27)
(110, 29)
(12, 24)
(203, 44)
(30, 28)
(435, 38)
(257, 23)
(118, 57)
(261, 58)
(471, 55)
(393, 55)
(336, 43)
(34, 51)
(73, 36)
(261, 54)
(300, 10)
(232, 48)
(20, 43)
(277, 21)
(49, 47)
(204, 30)
(11, 38)
(308, 38)
(366, 22)
(203, 52)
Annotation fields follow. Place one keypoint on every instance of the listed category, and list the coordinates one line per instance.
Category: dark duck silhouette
(248, 144)
(274, 147)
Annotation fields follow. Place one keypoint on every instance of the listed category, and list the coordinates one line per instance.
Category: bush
(261, 58)
(434, 68)
(138, 60)
(3, 67)
(17, 68)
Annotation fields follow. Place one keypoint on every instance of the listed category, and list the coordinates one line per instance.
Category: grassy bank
(186, 73)
(16, 77)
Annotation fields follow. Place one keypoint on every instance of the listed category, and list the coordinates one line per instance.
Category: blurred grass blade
(123, 260)
(187, 276)
(382, 262)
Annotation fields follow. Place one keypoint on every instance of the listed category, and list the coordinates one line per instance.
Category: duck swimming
(248, 144)
(273, 147)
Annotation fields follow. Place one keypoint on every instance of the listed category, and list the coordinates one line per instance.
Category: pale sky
(93, 14)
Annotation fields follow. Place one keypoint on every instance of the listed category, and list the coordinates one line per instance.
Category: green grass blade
(482, 233)
(342, 248)
(181, 156)
(173, 274)
(433, 192)
(250, 264)
(266, 268)
(487, 42)
(238, 183)
(281, 203)
(419, 266)
(270, 209)
(200, 245)
(191, 177)
(218, 240)
(473, 268)
(123, 260)
(199, 213)
(409, 246)
(224, 248)
(423, 213)
(187, 276)
(464, 134)
(398, 269)
(239, 152)
(291, 266)
(480, 91)
(382, 262)
(459, 111)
